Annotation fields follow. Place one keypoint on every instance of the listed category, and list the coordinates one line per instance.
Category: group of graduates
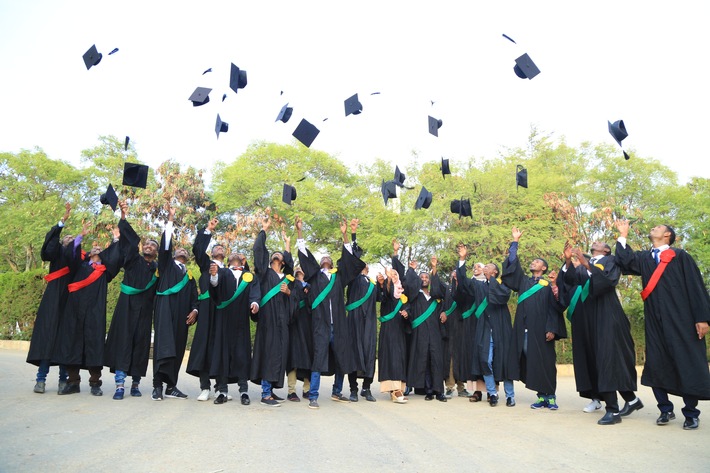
(320, 319)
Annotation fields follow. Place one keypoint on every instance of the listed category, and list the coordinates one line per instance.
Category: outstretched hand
(353, 225)
(85, 225)
(266, 224)
(395, 246)
(623, 227)
(580, 256)
(462, 251)
(413, 264)
(567, 252)
(67, 210)
(344, 226)
(517, 234)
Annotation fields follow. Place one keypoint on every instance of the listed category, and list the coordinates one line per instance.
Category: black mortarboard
(125, 143)
(109, 198)
(525, 68)
(200, 96)
(521, 177)
(237, 78)
(399, 177)
(461, 207)
(389, 190)
(135, 175)
(424, 199)
(206, 71)
(289, 194)
(92, 57)
(220, 126)
(626, 155)
(285, 114)
(434, 125)
(445, 167)
(618, 130)
(305, 132)
(113, 51)
(352, 105)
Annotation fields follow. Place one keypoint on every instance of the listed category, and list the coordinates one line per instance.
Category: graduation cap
(109, 198)
(285, 114)
(206, 71)
(92, 57)
(389, 190)
(135, 175)
(200, 96)
(399, 177)
(445, 167)
(352, 105)
(626, 155)
(424, 199)
(461, 207)
(237, 78)
(113, 51)
(305, 132)
(220, 126)
(521, 177)
(525, 68)
(509, 38)
(289, 194)
(618, 131)
(434, 125)
(125, 144)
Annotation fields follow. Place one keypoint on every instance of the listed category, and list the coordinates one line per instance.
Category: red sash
(665, 257)
(57, 274)
(96, 274)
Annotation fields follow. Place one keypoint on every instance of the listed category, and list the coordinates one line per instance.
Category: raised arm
(261, 254)
(202, 242)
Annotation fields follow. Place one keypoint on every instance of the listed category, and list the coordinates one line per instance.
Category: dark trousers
(75, 378)
(690, 410)
(612, 401)
(352, 379)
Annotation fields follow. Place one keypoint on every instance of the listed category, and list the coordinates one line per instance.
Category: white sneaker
(595, 405)
(204, 395)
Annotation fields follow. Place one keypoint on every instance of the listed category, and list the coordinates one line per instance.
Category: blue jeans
(490, 380)
(265, 389)
(315, 378)
(43, 371)
(120, 378)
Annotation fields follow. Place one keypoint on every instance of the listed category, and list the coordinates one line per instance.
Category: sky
(642, 62)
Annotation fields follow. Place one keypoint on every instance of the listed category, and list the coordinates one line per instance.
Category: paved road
(81, 432)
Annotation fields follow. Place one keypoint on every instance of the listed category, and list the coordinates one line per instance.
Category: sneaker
(175, 393)
(368, 396)
(539, 404)
(229, 397)
(464, 393)
(70, 389)
(595, 405)
(245, 399)
(493, 400)
(96, 391)
(510, 402)
(353, 396)
(293, 397)
(275, 397)
(118, 395)
(552, 404)
(339, 398)
(135, 392)
(450, 393)
(61, 386)
(220, 399)
(39, 387)
(313, 404)
(204, 395)
(157, 394)
(270, 401)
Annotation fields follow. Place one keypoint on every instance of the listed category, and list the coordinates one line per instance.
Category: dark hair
(607, 249)
(672, 237)
(495, 266)
(547, 266)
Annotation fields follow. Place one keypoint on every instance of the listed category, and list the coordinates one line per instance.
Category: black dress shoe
(368, 395)
(664, 418)
(245, 399)
(510, 402)
(493, 400)
(629, 408)
(429, 397)
(476, 396)
(610, 418)
(70, 389)
(691, 423)
(220, 399)
(441, 397)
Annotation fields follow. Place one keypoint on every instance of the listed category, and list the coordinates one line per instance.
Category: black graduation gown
(341, 358)
(676, 360)
(540, 313)
(230, 340)
(128, 341)
(426, 345)
(464, 336)
(363, 324)
(82, 332)
(53, 300)
(170, 316)
(271, 339)
(203, 339)
(392, 347)
(300, 334)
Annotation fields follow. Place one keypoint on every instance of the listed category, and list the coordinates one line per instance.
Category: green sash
(176, 288)
(390, 316)
(274, 290)
(451, 309)
(468, 313)
(204, 296)
(325, 292)
(426, 314)
(242, 285)
(360, 302)
(482, 307)
(132, 291)
(530, 292)
(302, 304)
(581, 291)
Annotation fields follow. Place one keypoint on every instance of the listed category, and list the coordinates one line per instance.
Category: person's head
(425, 280)
(277, 261)
(326, 262)
(150, 248)
(94, 254)
(662, 234)
(181, 255)
(67, 239)
(538, 265)
(478, 269)
(218, 252)
(237, 259)
(365, 270)
(392, 275)
(453, 276)
(491, 270)
(299, 274)
(600, 248)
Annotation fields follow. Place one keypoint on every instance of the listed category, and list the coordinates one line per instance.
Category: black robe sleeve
(165, 257)
(309, 265)
(411, 284)
(349, 267)
(261, 254)
(112, 258)
(627, 259)
(199, 250)
(399, 267)
(437, 290)
(604, 280)
(513, 275)
(52, 245)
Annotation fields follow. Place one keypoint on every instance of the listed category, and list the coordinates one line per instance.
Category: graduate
(300, 340)
(677, 313)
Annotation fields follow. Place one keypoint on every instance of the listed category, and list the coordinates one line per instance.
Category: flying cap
(521, 177)
(352, 105)
(525, 68)
(135, 175)
(92, 57)
(285, 114)
(200, 96)
(125, 143)
(109, 197)
(618, 131)
(445, 167)
(220, 126)
(626, 155)
(389, 190)
(434, 125)
(305, 132)
(424, 199)
(237, 79)
(399, 177)
(461, 207)
(289, 194)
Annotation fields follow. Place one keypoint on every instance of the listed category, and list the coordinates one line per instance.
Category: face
(425, 279)
(278, 258)
(659, 232)
(181, 254)
(237, 259)
(150, 248)
(326, 262)
(218, 252)
(67, 239)
(598, 248)
(300, 275)
(490, 271)
(477, 269)
(537, 265)
(366, 270)
(453, 276)
(94, 253)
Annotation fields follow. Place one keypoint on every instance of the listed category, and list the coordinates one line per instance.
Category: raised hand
(116, 233)
(299, 223)
(434, 261)
(623, 227)
(353, 225)
(124, 208)
(413, 264)
(213, 269)
(462, 251)
(580, 256)
(266, 224)
(344, 226)
(212, 224)
(85, 224)
(396, 246)
(171, 213)
(567, 252)
(67, 210)
(517, 234)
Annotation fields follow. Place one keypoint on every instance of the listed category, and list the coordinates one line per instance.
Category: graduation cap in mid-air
(399, 177)
(135, 175)
(618, 130)
(305, 132)
(288, 195)
(237, 78)
(445, 167)
(125, 143)
(352, 106)
(461, 207)
(92, 57)
(220, 126)
(434, 125)
(389, 190)
(521, 177)
(109, 197)
(525, 68)
(424, 199)
(200, 96)
(285, 114)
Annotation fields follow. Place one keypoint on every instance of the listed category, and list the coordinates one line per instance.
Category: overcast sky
(643, 62)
